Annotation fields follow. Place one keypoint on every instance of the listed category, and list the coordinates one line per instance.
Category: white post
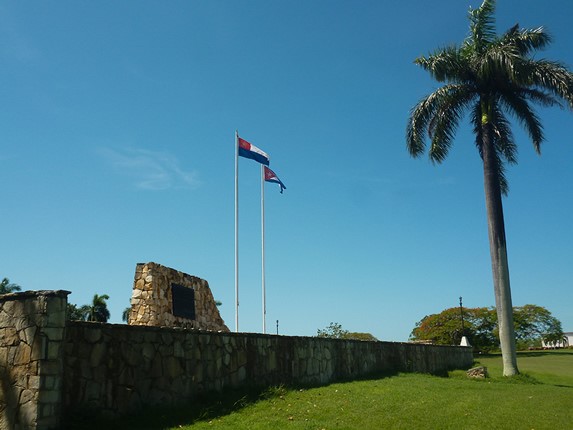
(263, 247)
(236, 231)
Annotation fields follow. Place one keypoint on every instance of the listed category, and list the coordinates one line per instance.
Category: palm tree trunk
(498, 251)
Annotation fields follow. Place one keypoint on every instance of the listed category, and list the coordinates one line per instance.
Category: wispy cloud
(150, 170)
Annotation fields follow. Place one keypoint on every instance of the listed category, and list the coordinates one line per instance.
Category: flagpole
(236, 231)
(263, 247)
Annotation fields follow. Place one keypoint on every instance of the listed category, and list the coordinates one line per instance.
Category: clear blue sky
(116, 147)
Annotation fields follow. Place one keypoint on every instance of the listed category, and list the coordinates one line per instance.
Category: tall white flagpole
(236, 231)
(263, 247)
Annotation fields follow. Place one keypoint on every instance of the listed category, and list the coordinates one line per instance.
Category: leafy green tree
(7, 287)
(360, 336)
(335, 331)
(97, 310)
(532, 323)
(490, 76)
(445, 328)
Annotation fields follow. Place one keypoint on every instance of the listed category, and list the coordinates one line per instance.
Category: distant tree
(75, 313)
(531, 324)
(125, 314)
(97, 310)
(556, 340)
(360, 336)
(445, 328)
(334, 331)
(6, 287)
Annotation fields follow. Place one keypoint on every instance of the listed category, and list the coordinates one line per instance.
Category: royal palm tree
(97, 310)
(6, 287)
(489, 77)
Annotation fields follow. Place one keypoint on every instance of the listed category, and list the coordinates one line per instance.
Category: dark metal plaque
(183, 300)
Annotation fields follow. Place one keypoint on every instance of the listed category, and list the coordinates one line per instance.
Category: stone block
(53, 367)
(172, 368)
(23, 355)
(92, 335)
(56, 319)
(9, 336)
(51, 382)
(27, 335)
(54, 349)
(27, 396)
(28, 414)
(97, 354)
(478, 372)
(33, 382)
(49, 396)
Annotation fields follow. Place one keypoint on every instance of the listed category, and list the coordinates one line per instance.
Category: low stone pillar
(32, 327)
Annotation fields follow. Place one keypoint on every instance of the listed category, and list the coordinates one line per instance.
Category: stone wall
(31, 336)
(117, 369)
(152, 299)
(50, 368)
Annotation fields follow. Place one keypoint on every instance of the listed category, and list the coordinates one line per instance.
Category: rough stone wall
(31, 336)
(117, 369)
(152, 300)
(50, 368)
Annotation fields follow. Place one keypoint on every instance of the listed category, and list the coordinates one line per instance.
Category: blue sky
(116, 147)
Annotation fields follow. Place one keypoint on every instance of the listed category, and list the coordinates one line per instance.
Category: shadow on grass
(206, 407)
(203, 408)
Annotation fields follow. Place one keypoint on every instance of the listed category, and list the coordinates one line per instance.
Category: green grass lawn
(540, 398)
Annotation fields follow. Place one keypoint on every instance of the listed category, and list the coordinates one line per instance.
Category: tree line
(532, 325)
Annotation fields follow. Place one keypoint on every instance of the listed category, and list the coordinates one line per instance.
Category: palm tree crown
(490, 77)
(97, 310)
(6, 287)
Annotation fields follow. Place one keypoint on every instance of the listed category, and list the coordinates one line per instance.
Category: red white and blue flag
(270, 176)
(248, 150)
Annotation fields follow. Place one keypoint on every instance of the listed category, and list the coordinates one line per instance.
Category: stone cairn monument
(166, 297)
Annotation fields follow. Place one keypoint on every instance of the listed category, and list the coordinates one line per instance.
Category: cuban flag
(251, 151)
(270, 176)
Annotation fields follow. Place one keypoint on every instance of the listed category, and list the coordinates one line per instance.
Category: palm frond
(475, 119)
(438, 115)
(503, 136)
(497, 65)
(443, 124)
(482, 25)
(540, 97)
(417, 125)
(551, 76)
(516, 103)
(500, 171)
(525, 40)
(446, 65)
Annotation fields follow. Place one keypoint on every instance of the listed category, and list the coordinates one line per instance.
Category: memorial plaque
(183, 300)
